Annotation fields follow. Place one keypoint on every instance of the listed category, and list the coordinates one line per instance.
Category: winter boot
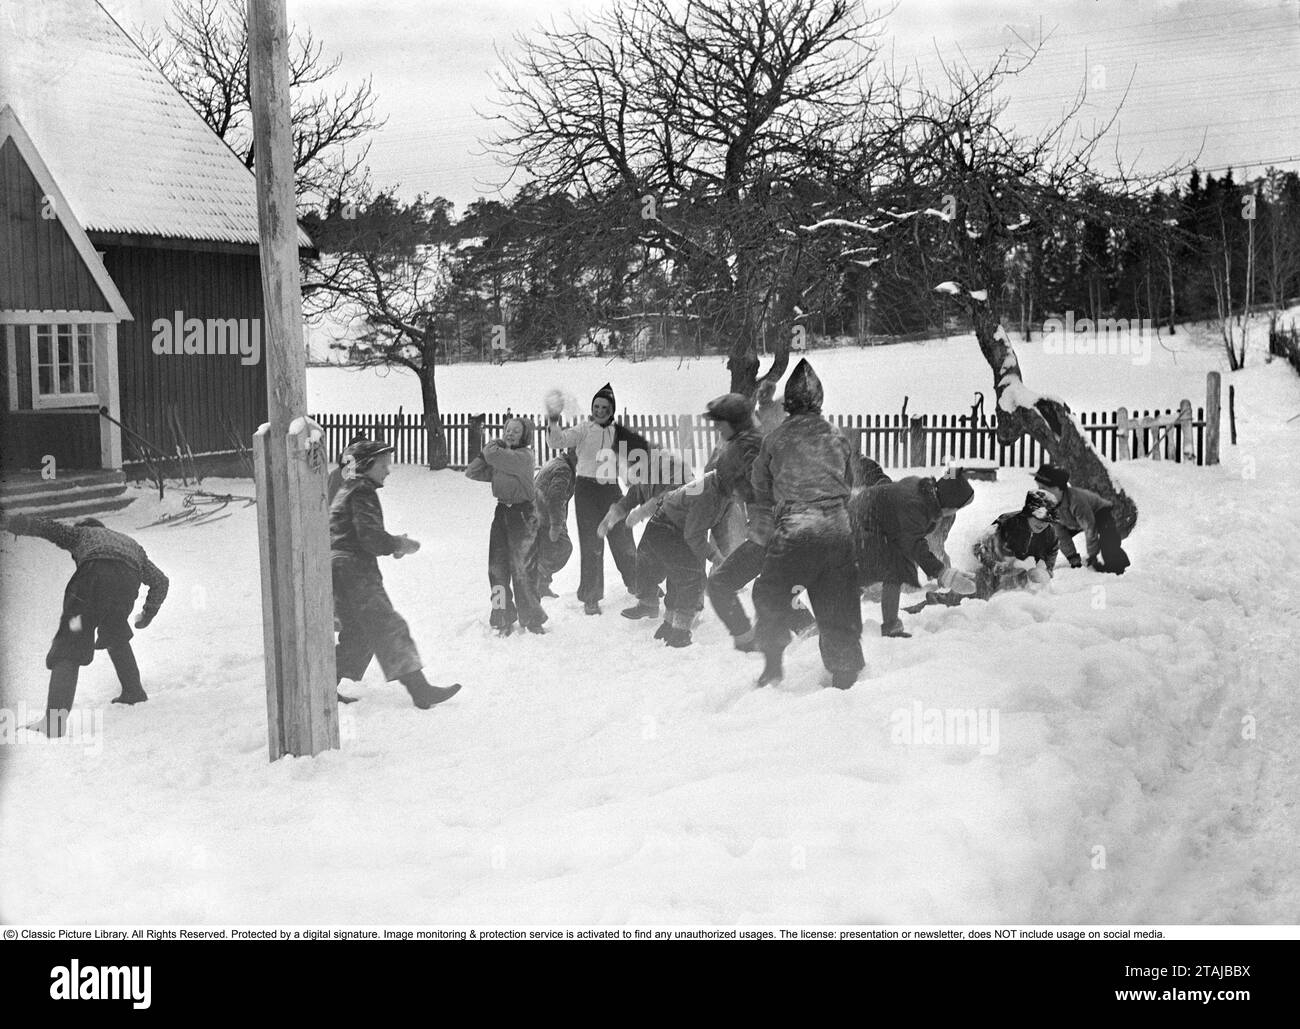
(745, 642)
(536, 629)
(505, 630)
(546, 593)
(843, 680)
(591, 607)
(678, 637)
(425, 696)
(772, 670)
(128, 674)
(642, 609)
(664, 629)
(895, 630)
(63, 690)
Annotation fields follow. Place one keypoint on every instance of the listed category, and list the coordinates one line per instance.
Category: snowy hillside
(591, 775)
(939, 376)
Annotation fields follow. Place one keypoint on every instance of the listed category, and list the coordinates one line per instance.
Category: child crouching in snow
(508, 464)
(97, 604)
(674, 547)
(1019, 549)
(368, 625)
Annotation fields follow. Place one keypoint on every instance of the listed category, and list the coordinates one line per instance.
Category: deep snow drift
(1144, 766)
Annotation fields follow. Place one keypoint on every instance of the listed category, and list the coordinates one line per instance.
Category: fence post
(917, 433)
(474, 444)
(1122, 452)
(1213, 386)
(686, 439)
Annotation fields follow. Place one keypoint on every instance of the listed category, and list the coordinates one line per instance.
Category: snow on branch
(843, 223)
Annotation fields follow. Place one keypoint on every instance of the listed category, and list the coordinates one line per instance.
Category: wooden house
(130, 287)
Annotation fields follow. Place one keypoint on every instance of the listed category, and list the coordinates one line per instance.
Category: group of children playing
(785, 502)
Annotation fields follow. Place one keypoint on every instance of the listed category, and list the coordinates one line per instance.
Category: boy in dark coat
(508, 464)
(743, 438)
(1082, 510)
(554, 487)
(897, 524)
(97, 602)
(801, 481)
(602, 446)
(733, 414)
(368, 625)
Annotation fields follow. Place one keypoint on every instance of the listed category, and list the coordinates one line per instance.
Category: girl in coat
(1020, 548)
(603, 447)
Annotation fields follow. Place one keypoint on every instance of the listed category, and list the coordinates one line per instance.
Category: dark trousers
(1112, 554)
(592, 501)
(548, 555)
(368, 625)
(741, 567)
(510, 546)
(663, 555)
(96, 613)
(816, 553)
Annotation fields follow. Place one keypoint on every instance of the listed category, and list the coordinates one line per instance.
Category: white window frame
(82, 397)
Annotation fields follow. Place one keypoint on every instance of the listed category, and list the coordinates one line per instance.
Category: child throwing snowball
(97, 602)
(508, 464)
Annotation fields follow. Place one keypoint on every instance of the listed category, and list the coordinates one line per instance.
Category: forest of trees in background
(558, 282)
(556, 278)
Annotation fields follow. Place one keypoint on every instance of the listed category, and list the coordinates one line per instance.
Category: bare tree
(695, 126)
(203, 51)
(388, 263)
(945, 158)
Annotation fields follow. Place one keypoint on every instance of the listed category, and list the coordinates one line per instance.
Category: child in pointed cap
(603, 448)
(801, 481)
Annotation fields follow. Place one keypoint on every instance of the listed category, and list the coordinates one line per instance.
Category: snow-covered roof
(129, 152)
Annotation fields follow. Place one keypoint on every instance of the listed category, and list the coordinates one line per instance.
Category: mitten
(610, 520)
(958, 581)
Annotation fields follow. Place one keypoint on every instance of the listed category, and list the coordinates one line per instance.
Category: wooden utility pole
(289, 450)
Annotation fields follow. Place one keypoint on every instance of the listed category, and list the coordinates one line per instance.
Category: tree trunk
(436, 438)
(1047, 421)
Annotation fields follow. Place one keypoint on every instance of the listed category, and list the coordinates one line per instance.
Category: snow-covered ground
(937, 376)
(1144, 766)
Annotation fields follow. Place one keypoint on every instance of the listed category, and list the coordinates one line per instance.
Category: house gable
(47, 263)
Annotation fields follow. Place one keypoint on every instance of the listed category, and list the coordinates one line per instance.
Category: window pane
(85, 362)
(45, 379)
(67, 376)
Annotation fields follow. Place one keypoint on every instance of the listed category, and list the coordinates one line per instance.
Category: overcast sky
(1219, 78)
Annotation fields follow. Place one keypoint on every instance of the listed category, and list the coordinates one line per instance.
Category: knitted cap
(359, 456)
(1052, 475)
(606, 391)
(735, 409)
(1039, 504)
(954, 493)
